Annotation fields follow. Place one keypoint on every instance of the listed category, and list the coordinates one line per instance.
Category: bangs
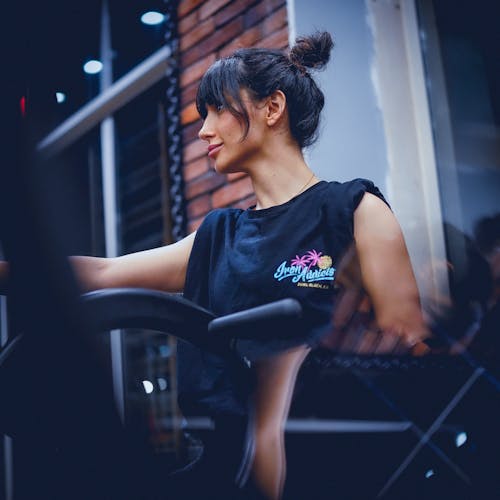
(220, 87)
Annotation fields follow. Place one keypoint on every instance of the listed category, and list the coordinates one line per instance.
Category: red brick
(194, 224)
(247, 39)
(196, 168)
(208, 8)
(189, 114)
(214, 41)
(254, 37)
(190, 132)
(261, 11)
(231, 10)
(275, 21)
(254, 15)
(187, 23)
(194, 150)
(278, 40)
(196, 70)
(193, 54)
(220, 32)
(231, 193)
(186, 6)
(204, 184)
(201, 31)
(224, 35)
(199, 206)
(188, 94)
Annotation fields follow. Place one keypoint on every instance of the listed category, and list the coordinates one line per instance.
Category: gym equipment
(170, 314)
(414, 394)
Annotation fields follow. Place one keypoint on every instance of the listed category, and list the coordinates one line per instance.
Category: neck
(280, 177)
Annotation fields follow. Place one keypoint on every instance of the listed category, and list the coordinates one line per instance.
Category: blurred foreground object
(354, 327)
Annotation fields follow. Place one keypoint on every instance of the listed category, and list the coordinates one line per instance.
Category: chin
(224, 168)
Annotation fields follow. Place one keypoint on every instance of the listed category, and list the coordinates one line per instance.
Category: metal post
(108, 162)
(124, 90)
(7, 443)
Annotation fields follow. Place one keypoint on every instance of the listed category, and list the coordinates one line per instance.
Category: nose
(204, 134)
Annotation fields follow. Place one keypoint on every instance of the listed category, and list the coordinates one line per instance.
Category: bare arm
(386, 272)
(162, 268)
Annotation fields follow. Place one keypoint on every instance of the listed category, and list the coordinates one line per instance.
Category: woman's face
(224, 133)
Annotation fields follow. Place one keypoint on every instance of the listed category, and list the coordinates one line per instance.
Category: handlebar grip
(244, 323)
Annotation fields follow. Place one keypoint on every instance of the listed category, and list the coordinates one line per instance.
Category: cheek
(233, 129)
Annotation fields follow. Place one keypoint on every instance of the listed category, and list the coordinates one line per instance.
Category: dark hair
(262, 72)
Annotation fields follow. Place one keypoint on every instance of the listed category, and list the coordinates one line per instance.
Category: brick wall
(209, 29)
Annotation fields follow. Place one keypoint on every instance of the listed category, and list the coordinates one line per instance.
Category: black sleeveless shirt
(245, 258)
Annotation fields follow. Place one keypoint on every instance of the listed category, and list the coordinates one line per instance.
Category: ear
(275, 107)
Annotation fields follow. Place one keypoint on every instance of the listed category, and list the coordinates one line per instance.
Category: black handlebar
(256, 322)
(150, 309)
(173, 314)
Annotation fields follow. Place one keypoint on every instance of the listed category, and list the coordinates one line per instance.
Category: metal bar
(4, 334)
(9, 468)
(110, 205)
(142, 77)
(432, 429)
(311, 425)
(108, 166)
(7, 441)
(340, 426)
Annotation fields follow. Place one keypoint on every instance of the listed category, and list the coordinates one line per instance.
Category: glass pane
(79, 187)
(151, 390)
(463, 73)
(132, 39)
(67, 39)
(65, 81)
(142, 171)
(460, 48)
(142, 188)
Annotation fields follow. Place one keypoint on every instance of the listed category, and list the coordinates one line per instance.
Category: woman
(260, 109)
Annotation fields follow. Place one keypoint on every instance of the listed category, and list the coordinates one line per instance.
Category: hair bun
(312, 51)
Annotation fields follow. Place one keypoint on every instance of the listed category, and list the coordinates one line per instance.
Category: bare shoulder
(374, 219)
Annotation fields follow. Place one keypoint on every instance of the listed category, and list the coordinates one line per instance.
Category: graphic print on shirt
(313, 269)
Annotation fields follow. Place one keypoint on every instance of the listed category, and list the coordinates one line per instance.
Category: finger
(351, 339)
(420, 349)
(355, 331)
(346, 306)
(349, 272)
(369, 342)
(388, 343)
(333, 339)
(365, 304)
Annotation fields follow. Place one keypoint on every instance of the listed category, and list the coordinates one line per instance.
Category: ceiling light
(152, 17)
(148, 386)
(92, 67)
(60, 97)
(460, 439)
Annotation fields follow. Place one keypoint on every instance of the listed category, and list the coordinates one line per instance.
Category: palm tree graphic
(300, 261)
(312, 257)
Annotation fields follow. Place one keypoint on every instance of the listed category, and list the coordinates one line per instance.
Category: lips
(213, 149)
